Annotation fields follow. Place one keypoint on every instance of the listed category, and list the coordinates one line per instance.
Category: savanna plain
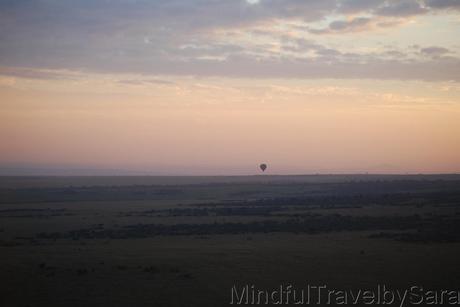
(188, 241)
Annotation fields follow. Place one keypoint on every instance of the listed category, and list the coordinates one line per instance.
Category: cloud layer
(239, 38)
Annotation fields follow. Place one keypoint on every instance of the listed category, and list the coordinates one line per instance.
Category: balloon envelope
(263, 167)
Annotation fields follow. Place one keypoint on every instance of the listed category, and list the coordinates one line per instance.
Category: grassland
(185, 241)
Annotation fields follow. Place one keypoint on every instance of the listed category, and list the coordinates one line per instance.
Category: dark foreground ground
(198, 241)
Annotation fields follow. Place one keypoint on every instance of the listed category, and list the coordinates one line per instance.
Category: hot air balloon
(263, 167)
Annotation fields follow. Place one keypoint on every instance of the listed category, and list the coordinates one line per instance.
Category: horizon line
(242, 175)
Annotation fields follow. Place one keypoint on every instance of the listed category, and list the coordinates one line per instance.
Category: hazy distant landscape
(186, 241)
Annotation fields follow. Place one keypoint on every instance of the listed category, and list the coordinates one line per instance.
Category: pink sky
(306, 87)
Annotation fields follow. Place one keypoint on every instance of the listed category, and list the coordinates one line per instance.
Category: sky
(216, 87)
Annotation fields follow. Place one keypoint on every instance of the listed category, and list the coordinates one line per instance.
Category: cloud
(356, 6)
(443, 4)
(340, 26)
(145, 82)
(29, 73)
(401, 8)
(434, 51)
(192, 37)
(382, 14)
